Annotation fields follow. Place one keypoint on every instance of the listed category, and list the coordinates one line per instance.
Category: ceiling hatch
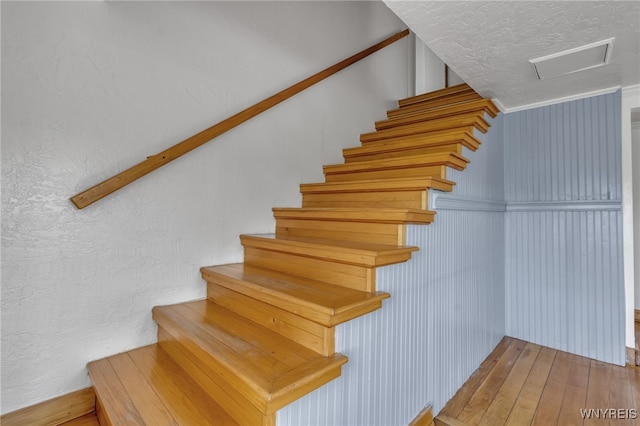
(573, 60)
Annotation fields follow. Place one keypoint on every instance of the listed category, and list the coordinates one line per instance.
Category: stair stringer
(332, 262)
(378, 389)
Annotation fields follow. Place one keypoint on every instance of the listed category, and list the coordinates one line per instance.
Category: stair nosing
(477, 121)
(414, 141)
(462, 87)
(428, 104)
(398, 216)
(409, 161)
(333, 245)
(418, 184)
(475, 106)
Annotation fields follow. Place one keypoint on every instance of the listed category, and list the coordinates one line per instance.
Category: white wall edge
(630, 100)
(631, 90)
(428, 72)
(555, 101)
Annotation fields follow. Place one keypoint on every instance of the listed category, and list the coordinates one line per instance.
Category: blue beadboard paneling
(564, 285)
(548, 270)
(445, 315)
(568, 151)
(484, 176)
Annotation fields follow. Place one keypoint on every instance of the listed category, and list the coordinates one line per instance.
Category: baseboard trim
(424, 417)
(53, 411)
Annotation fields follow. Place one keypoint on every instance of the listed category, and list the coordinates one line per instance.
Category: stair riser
(384, 185)
(463, 136)
(392, 199)
(453, 147)
(285, 322)
(349, 276)
(476, 120)
(446, 92)
(435, 103)
(436, 171)
(379, 233)
(235, 404)
(416, 118)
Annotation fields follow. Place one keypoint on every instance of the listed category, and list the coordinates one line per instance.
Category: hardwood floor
(523, 383)
(87, 420)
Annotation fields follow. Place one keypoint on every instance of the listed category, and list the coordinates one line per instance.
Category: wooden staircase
(264, 336)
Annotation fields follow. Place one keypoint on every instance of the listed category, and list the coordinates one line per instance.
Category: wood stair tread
(351, 252)
(378, 185)
(444, 92)
(477, 105)
(434, 103)
(453, 160)
(428, 135)
(474, 119)
(263, 364)
(324, 303)
(377, 215)
(146, 386)
(413, 142)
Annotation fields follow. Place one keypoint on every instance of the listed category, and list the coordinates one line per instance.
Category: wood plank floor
(87, 420)
(522, 383)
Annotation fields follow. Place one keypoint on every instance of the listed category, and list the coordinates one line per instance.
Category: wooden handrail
(124, 178)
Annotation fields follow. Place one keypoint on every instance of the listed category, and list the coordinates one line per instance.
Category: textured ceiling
(489, 43)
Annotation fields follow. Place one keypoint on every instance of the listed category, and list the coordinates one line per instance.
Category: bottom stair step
(249, 367)
(146, 387)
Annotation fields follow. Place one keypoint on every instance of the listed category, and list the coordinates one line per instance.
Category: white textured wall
(635, 140)
(91, 88)
(630, 100)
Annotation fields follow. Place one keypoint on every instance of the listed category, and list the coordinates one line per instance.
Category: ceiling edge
(631, 90)
(556, 100)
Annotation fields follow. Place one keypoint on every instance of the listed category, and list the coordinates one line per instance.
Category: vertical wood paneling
(564, 285)
(548, 271)
(445, 315)
(562, 152)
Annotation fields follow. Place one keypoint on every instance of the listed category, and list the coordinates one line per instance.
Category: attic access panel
(573, 60)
